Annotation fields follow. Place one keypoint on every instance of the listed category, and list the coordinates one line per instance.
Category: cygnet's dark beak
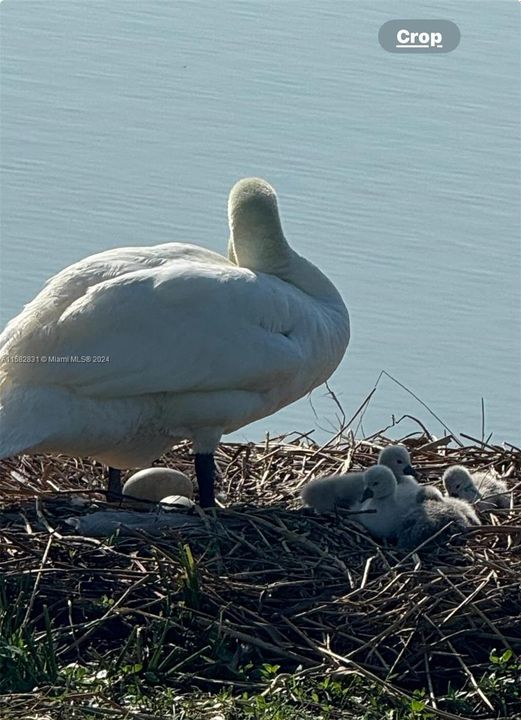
(409, 470)
(368, 493)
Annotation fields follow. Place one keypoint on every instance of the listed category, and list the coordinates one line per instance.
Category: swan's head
(252, 198)
(397, 459)
(380, 483)
(459, 483)
(257, 240)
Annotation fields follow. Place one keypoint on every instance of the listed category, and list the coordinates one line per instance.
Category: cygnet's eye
(400, 462)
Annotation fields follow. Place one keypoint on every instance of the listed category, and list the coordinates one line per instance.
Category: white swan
(485, 489)
(325, 494)
(154, 484)
(183, 343)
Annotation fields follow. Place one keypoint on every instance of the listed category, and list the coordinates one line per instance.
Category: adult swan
(126, 352)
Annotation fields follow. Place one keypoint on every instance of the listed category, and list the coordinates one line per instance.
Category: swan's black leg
(114, 484)
(205, 473)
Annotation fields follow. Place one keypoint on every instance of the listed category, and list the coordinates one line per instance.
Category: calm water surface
(126, 123)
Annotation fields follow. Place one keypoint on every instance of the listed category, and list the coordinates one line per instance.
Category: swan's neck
(308, 278)
(262, 247)
(257, 241)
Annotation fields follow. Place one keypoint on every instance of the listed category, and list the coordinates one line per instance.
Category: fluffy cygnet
(428, 492)
(325, 494)
(485, 489)
(397, 459)
(427, 518)
(155, 483)
(413, 522)
(380, 496)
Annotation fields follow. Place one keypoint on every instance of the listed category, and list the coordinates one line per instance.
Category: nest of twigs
(267, 581)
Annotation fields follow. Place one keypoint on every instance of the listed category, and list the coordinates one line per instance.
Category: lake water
(126, 123)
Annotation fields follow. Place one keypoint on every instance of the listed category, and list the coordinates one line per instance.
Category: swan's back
(75, 281)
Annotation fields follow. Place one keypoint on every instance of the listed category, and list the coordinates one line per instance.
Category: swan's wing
(181, 327)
